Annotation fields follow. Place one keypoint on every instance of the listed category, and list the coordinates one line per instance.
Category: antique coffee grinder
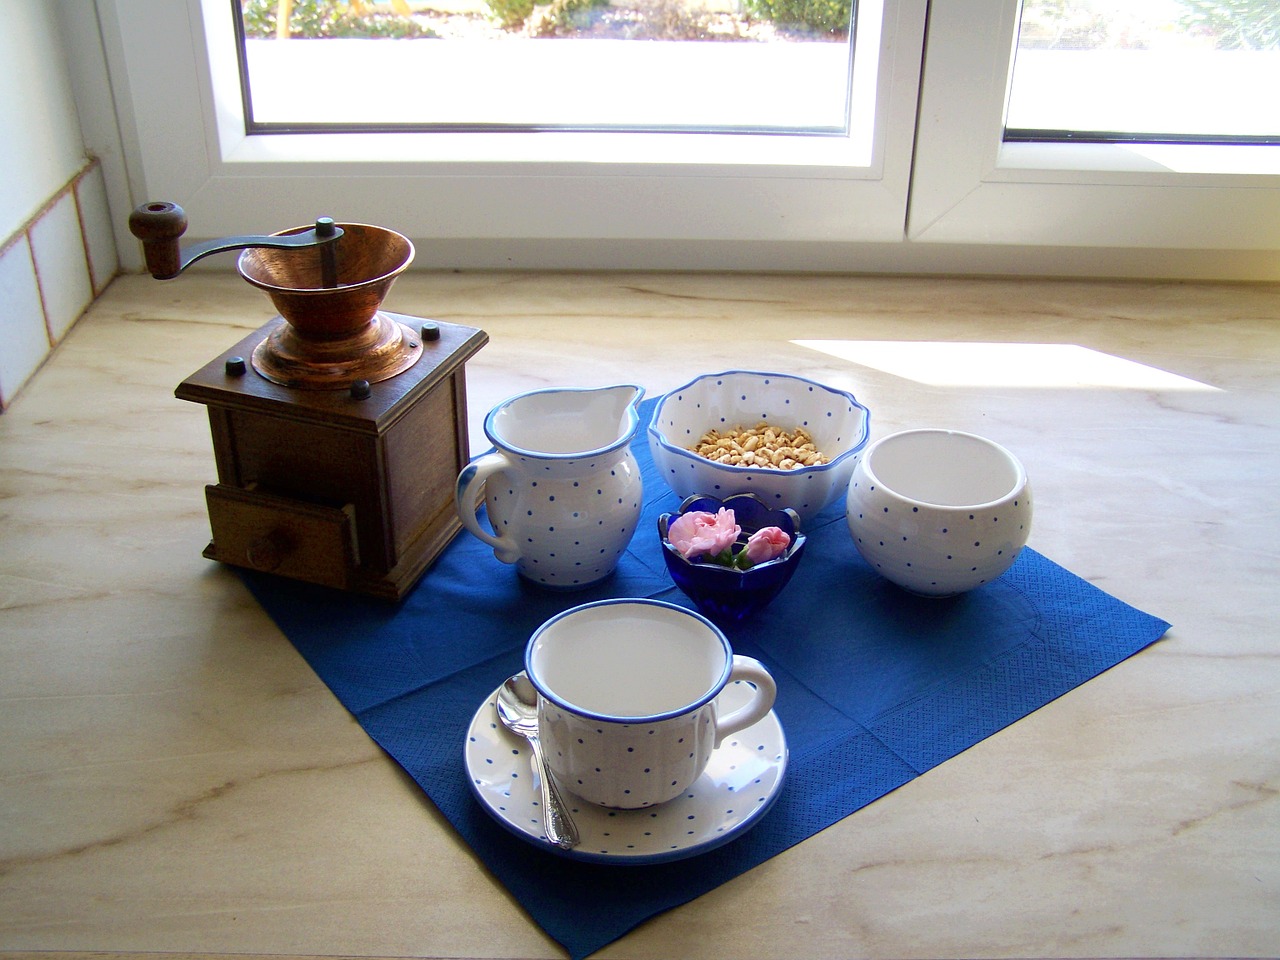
(338, 441)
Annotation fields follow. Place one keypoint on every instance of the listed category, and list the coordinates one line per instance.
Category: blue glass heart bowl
(725, 594)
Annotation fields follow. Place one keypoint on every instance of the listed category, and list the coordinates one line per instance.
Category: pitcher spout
(610, 415)
(566, 422)
(626, 403)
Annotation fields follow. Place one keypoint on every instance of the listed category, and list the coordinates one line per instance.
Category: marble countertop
(175, 780)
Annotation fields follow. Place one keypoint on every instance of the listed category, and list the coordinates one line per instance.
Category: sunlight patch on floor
(967, 364)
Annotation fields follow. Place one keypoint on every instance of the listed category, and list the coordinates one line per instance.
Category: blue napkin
(875, 687)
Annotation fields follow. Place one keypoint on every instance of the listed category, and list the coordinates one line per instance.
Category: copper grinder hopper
(327, 280)
(334, 334)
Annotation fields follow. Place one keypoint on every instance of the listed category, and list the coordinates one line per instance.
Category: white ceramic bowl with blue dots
(838, 423)
(939, 512)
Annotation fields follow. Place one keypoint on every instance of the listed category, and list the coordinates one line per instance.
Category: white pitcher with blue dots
(561, 488)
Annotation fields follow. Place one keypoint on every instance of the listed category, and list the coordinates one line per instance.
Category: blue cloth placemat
(874, 688)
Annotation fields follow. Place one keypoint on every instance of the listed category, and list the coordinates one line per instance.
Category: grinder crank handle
(159, 224)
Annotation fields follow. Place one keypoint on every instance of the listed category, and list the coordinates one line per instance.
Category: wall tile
(61, 265)
(99, 238)
(50, 271)
(23, 335)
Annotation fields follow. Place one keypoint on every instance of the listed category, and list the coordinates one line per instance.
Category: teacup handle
(754, 673)
(468, 491)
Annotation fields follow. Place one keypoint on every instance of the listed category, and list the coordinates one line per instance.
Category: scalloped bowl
(838, 423)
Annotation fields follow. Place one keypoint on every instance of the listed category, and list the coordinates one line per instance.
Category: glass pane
(702, 65)
(1196, 70)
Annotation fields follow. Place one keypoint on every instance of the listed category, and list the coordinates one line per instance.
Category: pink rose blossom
(766, 544)
(698, 532)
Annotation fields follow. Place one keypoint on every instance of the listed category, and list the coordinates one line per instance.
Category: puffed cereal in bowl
(791, 441)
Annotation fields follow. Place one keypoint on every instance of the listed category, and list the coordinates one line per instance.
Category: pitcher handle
(468, 492)
(753, 672)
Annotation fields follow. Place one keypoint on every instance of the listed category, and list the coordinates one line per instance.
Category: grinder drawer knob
(268, 552)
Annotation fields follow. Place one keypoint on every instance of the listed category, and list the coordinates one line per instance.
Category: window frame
(933, 190)
(972, 186)
(473, 188)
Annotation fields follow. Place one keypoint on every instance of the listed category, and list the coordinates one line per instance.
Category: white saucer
(740, 784)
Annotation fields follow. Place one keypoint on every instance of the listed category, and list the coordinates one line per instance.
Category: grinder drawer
(275, 534)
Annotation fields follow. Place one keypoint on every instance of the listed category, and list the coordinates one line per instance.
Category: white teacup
(627, 691)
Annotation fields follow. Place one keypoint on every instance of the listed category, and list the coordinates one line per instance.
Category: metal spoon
(517, 709)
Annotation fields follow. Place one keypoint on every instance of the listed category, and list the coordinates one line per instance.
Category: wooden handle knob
(159, 224)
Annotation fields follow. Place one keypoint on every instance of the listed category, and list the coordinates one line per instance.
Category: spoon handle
(560, 827)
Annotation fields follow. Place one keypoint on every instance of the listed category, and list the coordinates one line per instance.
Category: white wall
(57, 251)
(40, 144)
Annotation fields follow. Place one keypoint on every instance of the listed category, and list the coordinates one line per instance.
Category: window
(655, 65)
(972, 185)
(922, 178)
(1146, 70)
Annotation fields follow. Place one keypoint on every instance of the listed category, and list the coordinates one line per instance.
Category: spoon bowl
(517, 706)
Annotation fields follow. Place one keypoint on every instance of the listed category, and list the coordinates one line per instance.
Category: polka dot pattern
(662, 756)
(935, 549)
(742, 780)
(838, 422)
(570, 530)
(562, 488)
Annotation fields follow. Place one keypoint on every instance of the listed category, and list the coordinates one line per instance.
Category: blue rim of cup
(563, 704)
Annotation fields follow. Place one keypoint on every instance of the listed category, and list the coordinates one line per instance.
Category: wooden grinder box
(350, 489)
